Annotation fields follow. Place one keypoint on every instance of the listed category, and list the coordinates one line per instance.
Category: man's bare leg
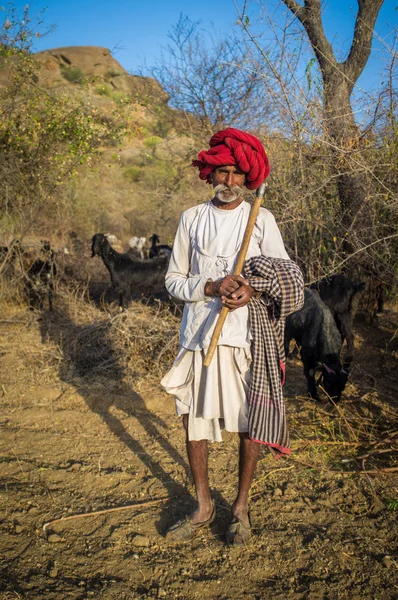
(198, 460)
(248, 456)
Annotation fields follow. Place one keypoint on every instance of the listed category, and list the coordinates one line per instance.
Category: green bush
(159, 174)
(104, 90)
(73, 74)
(119, 97)
(133, 174)
(152, 141)
(109, 92)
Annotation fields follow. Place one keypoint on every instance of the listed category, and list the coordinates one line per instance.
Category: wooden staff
(237, 271)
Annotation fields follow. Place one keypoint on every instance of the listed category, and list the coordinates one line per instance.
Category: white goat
(114, 242)
(136, 244)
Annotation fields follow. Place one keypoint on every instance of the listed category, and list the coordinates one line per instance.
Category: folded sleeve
(179, 282)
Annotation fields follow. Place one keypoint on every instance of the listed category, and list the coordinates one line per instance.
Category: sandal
(237, 533)
(184, 530)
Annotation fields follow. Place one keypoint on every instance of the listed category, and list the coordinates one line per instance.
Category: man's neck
(227, 205)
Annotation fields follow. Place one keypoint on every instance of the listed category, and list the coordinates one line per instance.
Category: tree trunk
(343, 135)
(339, 80)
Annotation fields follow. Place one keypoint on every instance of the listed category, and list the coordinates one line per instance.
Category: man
(220, 396)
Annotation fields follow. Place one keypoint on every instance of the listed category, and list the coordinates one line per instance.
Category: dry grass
(140, 342)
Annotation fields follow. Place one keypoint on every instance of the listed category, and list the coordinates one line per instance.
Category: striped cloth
(282, 292)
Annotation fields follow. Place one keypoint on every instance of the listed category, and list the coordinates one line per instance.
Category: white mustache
(227, 194)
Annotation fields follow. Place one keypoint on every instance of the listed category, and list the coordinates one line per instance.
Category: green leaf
(308, 72)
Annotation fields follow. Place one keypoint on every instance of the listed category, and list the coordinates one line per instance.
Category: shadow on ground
(120, 395)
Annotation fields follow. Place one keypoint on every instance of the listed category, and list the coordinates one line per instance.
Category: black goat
(314, 329)
(338, 292)
(157, 249)
(39, 278)
(128, 273)
(8, 255)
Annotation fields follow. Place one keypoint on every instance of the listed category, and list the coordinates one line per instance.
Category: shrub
(159, 175)
(73, 74)
(107, 90)
(133, 174)
(103, 90)
(152, 141)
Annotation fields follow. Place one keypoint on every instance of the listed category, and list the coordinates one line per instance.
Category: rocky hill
(95, 65)
(135, 186)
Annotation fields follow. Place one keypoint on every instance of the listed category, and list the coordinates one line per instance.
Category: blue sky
(137, 29)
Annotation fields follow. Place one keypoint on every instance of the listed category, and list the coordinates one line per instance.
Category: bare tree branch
(296, 9)
(362, 41)
(310, 17)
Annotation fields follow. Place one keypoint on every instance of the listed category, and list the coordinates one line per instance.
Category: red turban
(234, 147)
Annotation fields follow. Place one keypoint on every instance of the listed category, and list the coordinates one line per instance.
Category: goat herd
(319, 327)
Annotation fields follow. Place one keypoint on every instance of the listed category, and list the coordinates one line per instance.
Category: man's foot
(185, 529)
(239, 531)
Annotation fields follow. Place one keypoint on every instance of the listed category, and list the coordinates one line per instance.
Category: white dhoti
(215, 397)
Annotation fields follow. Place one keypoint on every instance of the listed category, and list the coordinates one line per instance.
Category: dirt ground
(77, 440)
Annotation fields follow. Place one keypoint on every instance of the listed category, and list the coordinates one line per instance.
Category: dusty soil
(77, 440)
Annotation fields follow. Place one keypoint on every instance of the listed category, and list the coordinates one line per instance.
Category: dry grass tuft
(356, 435)
(140, 343)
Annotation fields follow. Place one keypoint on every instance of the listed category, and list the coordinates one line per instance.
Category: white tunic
(206, 246)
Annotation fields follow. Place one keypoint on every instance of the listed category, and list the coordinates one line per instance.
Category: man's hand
(239, 297)
(222, 287)
(233, 290)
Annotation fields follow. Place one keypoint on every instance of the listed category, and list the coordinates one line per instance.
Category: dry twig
(96, 513)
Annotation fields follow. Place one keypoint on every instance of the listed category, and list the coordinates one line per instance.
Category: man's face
(227, 183)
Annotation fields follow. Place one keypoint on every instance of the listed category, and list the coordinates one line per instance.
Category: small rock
(140, 541)
(53, 573)
(135, 556)
(278, 492)
(76, 467)
(18, 529)
(387, 562)
(377, 506)
(54, 538)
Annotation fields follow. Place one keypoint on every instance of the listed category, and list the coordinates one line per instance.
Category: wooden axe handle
(237, 271)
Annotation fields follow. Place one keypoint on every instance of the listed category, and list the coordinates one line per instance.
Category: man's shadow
(82, 369)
